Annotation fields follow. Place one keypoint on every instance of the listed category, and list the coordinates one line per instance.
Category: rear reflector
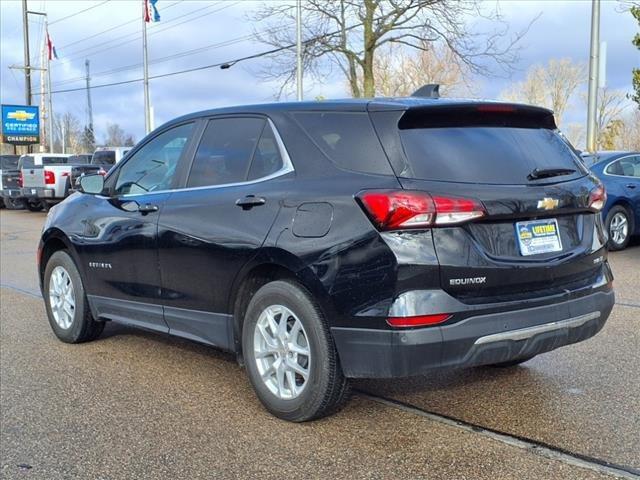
(49, 177)
(401, 209)
(418, 321)
(597, 198)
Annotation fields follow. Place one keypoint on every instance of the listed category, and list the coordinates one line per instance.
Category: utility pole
(50, 117)
(299, 49)
(89, 109)
(147, 103)
(27, 64)
(593, 76)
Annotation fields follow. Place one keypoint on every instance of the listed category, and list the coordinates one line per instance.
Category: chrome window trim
(604, 170)
(287, 167)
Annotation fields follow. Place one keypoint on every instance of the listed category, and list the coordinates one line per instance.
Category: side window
(225, 151)
(153, 166)
(347, 139)
(266, 159)
(626, 167)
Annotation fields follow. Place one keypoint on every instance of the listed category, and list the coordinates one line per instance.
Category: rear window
(55, 160)
(79, 159)
(104, 157)
(491, 154)
(9, 162)
(347, 139)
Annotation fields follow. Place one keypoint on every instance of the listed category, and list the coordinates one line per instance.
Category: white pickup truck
(47, 178)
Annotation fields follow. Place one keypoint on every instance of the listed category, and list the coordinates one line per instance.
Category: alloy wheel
(62, 297)
(282, 352)
(619, 228)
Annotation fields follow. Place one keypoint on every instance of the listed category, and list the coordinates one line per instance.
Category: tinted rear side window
(498, 155)
(9, 162)
(105, 157)
(347, 139)
(225, 151)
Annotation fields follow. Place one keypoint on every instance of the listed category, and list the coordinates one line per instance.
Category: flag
(150, 11)
(51, 50)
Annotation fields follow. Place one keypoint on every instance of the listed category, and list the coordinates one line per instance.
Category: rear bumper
(39, 192)
(478, 340)
(10, 193)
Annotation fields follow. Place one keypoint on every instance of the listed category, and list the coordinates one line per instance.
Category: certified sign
(20, 124)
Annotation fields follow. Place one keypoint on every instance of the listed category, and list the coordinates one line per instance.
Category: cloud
(561, 31)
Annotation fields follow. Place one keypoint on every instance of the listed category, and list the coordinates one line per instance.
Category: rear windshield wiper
(538, 173)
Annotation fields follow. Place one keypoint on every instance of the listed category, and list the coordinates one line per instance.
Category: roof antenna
(432, 90)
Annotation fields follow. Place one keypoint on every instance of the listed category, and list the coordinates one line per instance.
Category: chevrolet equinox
(322, 241)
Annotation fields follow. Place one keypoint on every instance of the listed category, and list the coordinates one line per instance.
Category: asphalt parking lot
(141, 405)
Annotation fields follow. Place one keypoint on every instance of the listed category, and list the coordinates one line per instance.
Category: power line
(128, 22)
(78, 13)
(79, 54)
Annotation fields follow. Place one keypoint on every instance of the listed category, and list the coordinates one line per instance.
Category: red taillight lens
(49, 177)
(400, 209)
(418, 321)
(20, 180)
(597, 198)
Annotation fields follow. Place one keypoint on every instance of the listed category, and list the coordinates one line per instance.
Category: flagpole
(147, 114)
(50, 118)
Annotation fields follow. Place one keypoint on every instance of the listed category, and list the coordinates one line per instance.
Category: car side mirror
(92, 184)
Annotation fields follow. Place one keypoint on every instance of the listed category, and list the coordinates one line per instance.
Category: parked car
(48, 178)
(107, 157)
(324, 241)
(9, 182)
(620, 174)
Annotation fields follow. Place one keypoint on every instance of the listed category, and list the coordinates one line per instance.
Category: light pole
(299, 49)
(593, 76)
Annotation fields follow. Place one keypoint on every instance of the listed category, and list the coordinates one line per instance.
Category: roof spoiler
(431, 90)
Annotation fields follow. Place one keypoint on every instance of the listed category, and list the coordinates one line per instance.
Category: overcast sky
(561, 31)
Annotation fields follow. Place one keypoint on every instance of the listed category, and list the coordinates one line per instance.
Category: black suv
(323, 241)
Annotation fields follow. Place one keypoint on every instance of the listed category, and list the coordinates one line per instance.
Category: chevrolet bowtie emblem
(21, 115)
(548, 203)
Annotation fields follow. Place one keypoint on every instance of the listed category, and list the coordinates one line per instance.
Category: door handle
(250, 201)
(147, 208)
(631, 185)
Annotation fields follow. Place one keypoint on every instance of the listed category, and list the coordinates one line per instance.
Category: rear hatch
(538, 230)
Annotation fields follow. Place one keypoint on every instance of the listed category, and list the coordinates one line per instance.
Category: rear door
(538, 234)
(213, 227)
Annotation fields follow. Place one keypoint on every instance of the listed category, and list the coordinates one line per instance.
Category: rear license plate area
(538, 236)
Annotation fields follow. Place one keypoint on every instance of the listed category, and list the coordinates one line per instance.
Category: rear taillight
(49, 177)
(401, 209)
(418, 321)
(20, 180)
(597, 198)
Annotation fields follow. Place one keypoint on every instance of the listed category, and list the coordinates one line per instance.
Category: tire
(511, 363)
(78, 326)
(12, 204)
(619, 227)
(325, 388)
(34, 205)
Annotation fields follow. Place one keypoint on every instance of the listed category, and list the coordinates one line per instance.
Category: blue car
(620, 173)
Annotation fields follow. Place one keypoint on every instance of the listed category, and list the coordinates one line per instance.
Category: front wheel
(66, 303)
(618, 223)
(289, 354)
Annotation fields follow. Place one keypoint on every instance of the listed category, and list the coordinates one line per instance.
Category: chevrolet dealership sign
(20, 124)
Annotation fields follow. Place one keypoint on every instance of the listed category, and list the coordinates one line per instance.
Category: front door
(120, 244)
(212, 228)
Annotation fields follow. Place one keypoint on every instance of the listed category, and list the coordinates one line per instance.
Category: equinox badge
(467, 281)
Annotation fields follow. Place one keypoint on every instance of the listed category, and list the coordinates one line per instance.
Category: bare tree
(611, 104)
(629, 135)
(116, 136)
(348, 34)
(67, 133)
(399, 72)
(552, 86)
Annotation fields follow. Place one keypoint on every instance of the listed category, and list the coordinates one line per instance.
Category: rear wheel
(34, 205)
(618, 223)
(66, 302)
(289, 354)
(13, 204)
